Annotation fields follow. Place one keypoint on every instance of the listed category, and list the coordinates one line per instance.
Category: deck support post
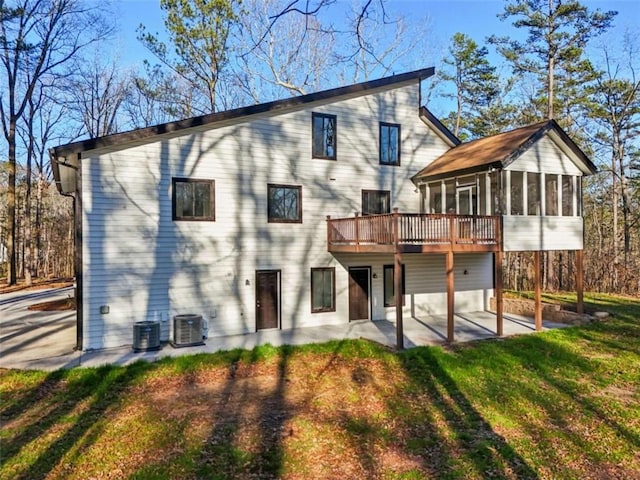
(397, 289)
(538, 291)
(579, 282)
(499, 278)
(329, 240)
(397, 282)
(498, 293)
(357, 227)
(450, 294)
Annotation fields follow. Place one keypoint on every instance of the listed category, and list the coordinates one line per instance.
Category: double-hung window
(284, 203)
(389, 144)
(376, 201)
(323, 290)
(323, 134)
(193, 199)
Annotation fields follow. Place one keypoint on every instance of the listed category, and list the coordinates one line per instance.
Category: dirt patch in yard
(54, 305)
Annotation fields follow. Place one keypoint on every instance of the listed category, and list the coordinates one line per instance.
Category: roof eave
(442, 131)
(551, 126)
(573, 146)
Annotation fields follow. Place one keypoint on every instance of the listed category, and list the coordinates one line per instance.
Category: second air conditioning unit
(187, 330)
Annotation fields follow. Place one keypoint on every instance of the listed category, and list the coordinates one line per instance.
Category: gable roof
(499, 151)
(146, 135)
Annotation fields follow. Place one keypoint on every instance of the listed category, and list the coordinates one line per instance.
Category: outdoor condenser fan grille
(146, 336)
(187, 330)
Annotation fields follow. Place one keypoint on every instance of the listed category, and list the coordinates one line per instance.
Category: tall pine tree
(475, 83)
(557, 33)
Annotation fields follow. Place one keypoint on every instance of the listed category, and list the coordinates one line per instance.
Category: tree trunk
(614, 212)
(38, 228)
(550, 70)
(28, 260)
(11, 204)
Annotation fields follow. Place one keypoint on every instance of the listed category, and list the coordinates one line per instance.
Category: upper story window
(193, 199)
(284, 203)
(389, 144)
(376, 202)
(324, 133)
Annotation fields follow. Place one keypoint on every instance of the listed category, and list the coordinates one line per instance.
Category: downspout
(77, 250)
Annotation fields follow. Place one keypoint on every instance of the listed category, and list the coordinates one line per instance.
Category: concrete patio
(45, 340)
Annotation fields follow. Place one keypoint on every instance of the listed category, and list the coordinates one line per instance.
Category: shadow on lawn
(433, 410)
(76, 399)
(556, 393)
(561, 374)
(449, 433)
(224, 454)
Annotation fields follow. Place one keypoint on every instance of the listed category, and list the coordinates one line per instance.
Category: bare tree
(294, 56)
(289, 46)
(37, 38)
(96, 92)
(615, 110)
(378, 41)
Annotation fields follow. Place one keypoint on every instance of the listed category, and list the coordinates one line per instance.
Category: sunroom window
(568, 195)
(533, 193)
(517, 197)
(551, 194)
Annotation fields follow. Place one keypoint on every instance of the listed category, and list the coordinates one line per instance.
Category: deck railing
(413, 229)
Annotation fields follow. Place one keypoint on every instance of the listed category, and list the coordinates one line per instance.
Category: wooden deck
(414, 233)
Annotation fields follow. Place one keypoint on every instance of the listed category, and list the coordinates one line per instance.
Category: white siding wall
(545, 157)
(523, 233)
(425, 283)
(146, 266)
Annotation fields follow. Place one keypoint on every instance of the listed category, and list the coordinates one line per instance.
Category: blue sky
(476, 18)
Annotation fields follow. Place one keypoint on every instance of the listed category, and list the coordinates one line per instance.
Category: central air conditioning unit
(146, 336)
(187, 330)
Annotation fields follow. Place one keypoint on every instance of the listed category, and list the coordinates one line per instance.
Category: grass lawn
(556, 405)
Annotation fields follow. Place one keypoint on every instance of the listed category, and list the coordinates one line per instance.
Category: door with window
(466, 201)
(267, 299)
(376, 202)
(359, 288)
(466, 205)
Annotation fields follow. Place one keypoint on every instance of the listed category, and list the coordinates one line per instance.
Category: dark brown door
(359, 293)
(267, 299)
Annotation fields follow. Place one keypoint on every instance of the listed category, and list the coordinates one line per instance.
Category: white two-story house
(310, 211)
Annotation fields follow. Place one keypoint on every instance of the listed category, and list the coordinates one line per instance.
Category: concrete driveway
(26, 336)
